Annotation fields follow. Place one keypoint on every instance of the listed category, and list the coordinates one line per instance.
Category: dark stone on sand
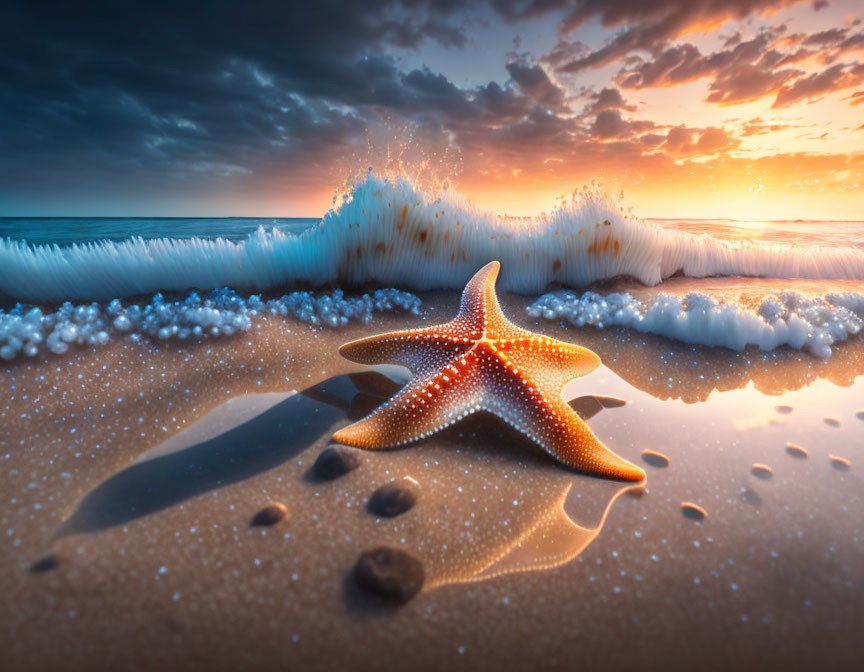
(389, 573)
(860, 414)
(831, 421)
(270, 515)
(785, 410)
(693, 511)
(840, 463)
(46, 563)
(655, 459)
(335, 461)
(762, 471)
(394, 498)
(796, 451)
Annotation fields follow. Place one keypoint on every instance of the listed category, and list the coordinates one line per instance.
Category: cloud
(746, 71)
(608, 98)
(190, 95)
(609, 124)
(683, 142)
(179, 85)
(648, 25)
(747, 83)
(757, 126)
(819, 84)
(533, 80)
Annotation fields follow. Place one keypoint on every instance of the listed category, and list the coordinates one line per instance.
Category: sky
(746, 109)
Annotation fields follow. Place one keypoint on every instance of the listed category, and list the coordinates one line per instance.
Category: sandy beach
(133, 471)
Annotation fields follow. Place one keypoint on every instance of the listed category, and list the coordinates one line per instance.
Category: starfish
(480, 361)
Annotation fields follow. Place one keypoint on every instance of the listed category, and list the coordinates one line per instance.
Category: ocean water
(67, 231)
(724, 283)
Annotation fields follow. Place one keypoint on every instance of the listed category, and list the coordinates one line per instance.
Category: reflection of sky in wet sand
(541, 535)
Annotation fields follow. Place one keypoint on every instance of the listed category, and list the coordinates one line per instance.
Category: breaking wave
(389, 232)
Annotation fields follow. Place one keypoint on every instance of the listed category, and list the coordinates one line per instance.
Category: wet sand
(132, 474)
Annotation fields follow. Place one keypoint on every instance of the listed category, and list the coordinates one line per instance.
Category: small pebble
(860, 414)
(796, 451)
(762, 471)
(693, 511)
(44, 564)
(394, 498)
(840, 463)
(390, 573)
(270, 515)
(831, 421)
(783, 409)
(655, 459)
(335, 461)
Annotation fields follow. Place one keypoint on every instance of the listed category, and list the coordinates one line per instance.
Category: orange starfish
(480, 361)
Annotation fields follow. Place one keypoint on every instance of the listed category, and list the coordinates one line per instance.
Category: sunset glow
(745, 110)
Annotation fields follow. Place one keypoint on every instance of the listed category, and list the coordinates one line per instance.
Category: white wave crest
(785, 318)
(390, 233)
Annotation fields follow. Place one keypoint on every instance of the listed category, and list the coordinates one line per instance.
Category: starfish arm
(549, 362)
(572, 442)
(556, 427)
(479, 310)
(420, 350)
(424, 406)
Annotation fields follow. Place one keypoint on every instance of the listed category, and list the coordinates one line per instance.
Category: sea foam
(781, 319)
(27, 330)
(392, 233)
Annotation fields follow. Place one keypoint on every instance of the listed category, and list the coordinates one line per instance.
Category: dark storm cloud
(185, 87)
(534, 81)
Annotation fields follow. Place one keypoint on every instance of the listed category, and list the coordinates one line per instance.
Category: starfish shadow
(249, 435)
(239, 439)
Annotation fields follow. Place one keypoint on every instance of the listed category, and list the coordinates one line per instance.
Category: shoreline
(238, 604)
